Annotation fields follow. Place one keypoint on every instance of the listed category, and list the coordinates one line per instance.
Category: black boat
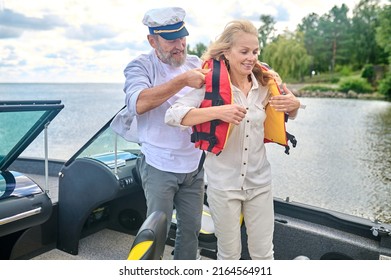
(48, 208)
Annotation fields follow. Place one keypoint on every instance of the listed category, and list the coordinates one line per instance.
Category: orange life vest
(211, 136)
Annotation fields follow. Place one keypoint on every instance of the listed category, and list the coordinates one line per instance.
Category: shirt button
(242, 175)
(244, 163)
(248, 121)
(245, 149)
(246, 135)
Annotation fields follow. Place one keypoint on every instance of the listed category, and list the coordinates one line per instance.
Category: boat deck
(104, 245)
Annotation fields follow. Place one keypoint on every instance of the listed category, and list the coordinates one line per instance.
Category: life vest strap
(210, 137)
(291, 138)
(214, 95)
(204, 136)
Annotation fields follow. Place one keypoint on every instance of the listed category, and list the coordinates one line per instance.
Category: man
(169, 162)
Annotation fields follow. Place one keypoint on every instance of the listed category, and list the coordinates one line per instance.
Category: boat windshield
(20, 123)
(108, 147)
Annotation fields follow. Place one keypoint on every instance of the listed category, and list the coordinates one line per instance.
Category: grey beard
(168, 59)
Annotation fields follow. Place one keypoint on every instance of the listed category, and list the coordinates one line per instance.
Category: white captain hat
(166, 22)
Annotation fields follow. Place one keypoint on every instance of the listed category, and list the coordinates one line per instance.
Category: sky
(72, 41)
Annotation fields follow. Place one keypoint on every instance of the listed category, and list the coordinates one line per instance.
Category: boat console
(99, 187)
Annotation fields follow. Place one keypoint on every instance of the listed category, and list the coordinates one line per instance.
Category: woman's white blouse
(243, 163)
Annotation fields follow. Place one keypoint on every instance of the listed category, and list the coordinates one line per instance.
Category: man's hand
(195, 78)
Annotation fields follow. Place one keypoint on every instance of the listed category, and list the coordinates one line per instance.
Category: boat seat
(150, 239)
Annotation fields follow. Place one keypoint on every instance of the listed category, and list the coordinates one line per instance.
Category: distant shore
(297, 91)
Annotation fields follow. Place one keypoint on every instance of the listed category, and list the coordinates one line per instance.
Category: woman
(239, 178)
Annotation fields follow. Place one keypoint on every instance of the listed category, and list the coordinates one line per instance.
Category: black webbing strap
(292, 139)
(201, 163)
(214, 95)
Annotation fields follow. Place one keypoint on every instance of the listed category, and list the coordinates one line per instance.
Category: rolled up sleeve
(138, 77)
(176, 113)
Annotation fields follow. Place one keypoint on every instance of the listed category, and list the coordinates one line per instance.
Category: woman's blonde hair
(225, 41)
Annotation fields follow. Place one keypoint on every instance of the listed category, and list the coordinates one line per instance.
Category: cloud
(279, 12)
(89, 32)
(9, 18)
(119, 46)
(282, 14)
(9, 58)
(68, 55)
(9, 32)
(13, 24)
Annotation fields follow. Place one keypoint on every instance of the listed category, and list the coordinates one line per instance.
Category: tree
(288, 56)
(327, 38)
(309, 27)
(199, 49)
(383, 31)
(364, 23)
(383, 38)
(266, 31)
(334, 29)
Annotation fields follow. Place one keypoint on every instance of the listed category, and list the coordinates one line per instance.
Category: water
(342, 161)
(87, 108)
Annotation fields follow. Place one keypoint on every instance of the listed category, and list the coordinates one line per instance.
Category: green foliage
(287, 55)
(383, 37)
(359, 85)
(199, 49)
(335, 39)
(385, 86)
(324, 78)
(365, 20)
(344, 70)
(327, 38)
(383, 31)
(320, 88)
(266, 30)
(368, 73)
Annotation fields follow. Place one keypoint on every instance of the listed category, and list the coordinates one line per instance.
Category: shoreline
(296, 90)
